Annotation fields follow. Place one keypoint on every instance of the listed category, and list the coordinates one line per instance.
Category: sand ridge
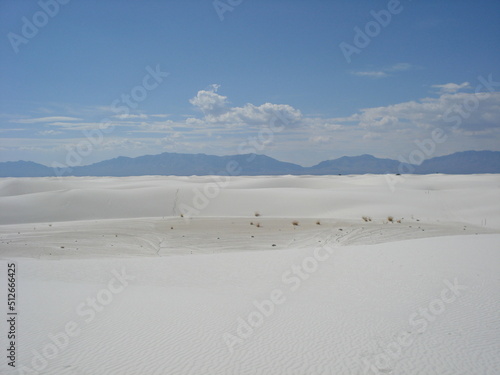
(232, 292)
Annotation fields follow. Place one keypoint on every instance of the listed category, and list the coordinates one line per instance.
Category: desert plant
(295, 222)
(257, 225)
(390, 219)
(367, 218)
(257, 214)
(318, 222)
(251, 223)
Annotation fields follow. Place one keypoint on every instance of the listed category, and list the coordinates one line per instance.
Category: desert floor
(253, 275)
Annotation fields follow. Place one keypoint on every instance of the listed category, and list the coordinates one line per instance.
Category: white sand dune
(111, 280)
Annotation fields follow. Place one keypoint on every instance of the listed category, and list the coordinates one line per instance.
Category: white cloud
(251, 114)
(119, 143)
(318, 139)
(383, 73)
(443, 111)
(221, 127)
(452, 87)
(77, 125)
(400, 67)
(371, 74)
(209, 102)
(130, 116)
(49, 132)
(45, 119)
(217, 112)
(372, 136)
(95, 125)
(11, 130)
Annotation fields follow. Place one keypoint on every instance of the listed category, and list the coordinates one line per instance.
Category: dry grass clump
(257, 225)
(367, 218)
(390, 219)
(257, 214)
(295, 222)
(318, 222)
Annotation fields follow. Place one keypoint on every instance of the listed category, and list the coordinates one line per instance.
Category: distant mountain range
(466, 162)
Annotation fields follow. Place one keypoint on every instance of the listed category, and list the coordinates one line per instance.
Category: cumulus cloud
(473, 111)
(217, 111)
(209, 102)
(251, 114)
(218, 125)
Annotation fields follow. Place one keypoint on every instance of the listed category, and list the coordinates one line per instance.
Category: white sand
(349, 296)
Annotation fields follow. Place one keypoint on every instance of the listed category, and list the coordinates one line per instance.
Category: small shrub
(257, 214)
(251, 223)
(182, 215)
(257, 225)
(296, 223)
(367, 218)
(390, 219)
(318, 222)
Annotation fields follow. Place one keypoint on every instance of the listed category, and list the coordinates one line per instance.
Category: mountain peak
(465, 162)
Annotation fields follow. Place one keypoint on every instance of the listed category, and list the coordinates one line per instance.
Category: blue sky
(226, 68)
